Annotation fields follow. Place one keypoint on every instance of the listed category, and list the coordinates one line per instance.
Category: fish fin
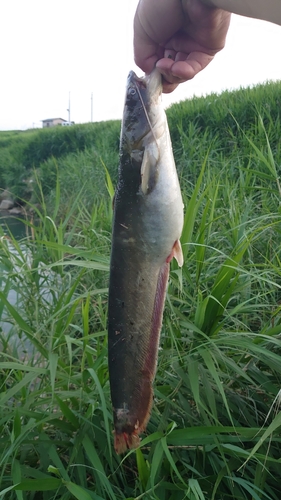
(131, 420)
(149, 168)
(124, 441)
(149, 367)
(177, 253)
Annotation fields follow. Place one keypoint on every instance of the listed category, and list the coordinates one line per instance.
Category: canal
(11, 226)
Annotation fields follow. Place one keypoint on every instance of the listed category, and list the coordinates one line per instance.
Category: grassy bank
(214, 432)
(75, 152)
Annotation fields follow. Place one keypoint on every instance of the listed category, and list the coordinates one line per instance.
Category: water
(21, 347)
(12, 225)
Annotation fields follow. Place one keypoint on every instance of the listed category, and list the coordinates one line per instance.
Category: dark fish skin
(142, 246)
(137, 308)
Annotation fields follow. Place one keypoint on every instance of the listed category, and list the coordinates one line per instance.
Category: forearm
(268, 10)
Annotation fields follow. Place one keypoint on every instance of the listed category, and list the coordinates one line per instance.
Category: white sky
(49, 49)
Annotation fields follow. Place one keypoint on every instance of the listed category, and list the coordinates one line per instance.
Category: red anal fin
(144, 404)
(177, 253)
(126, 435)
(159, 302)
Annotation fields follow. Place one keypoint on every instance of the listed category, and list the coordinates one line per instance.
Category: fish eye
(132, 91)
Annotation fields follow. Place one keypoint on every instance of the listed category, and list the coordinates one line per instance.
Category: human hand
(180, 36)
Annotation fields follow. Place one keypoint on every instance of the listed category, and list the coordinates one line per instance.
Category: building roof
(51, 119)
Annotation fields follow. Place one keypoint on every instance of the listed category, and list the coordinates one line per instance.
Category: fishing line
(148, 120)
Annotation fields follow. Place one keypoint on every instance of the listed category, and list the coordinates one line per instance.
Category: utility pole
(91, 106)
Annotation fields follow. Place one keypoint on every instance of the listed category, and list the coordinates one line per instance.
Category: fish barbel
(147, 225)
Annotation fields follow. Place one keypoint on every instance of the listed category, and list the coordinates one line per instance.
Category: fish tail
(124, 441)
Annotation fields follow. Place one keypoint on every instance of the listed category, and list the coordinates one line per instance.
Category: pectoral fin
(177, 253)
(149, 168)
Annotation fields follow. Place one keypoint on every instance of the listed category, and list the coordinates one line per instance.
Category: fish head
(141, 100)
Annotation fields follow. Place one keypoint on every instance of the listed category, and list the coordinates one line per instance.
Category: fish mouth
(152, 83)
(135, 81)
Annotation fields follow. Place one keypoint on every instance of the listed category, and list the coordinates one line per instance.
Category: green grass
(41, 152)
(214, 432)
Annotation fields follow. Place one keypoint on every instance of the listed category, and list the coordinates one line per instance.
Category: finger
(169, 81)
(184, 68)
(146, 50)
(146, 64)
